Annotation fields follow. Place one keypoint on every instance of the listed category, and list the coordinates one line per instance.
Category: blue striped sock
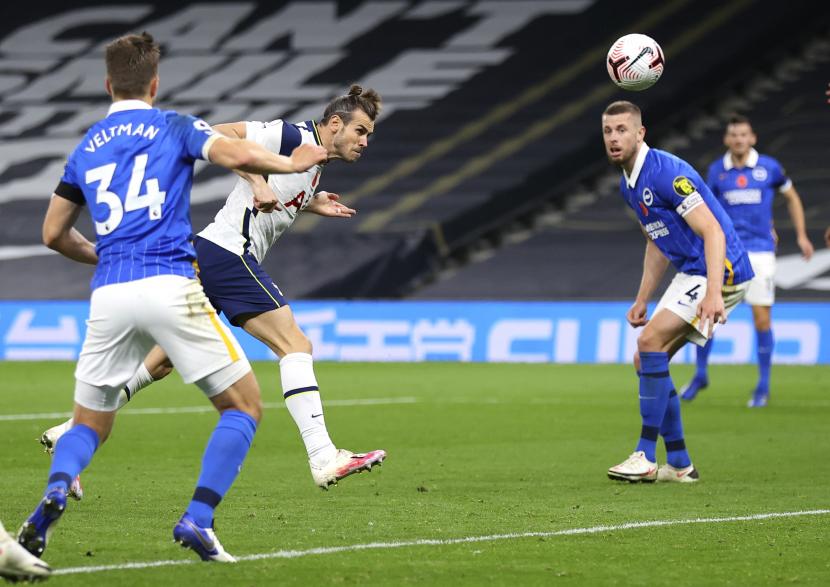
(672, 432)
(73, 452)
(765, 344)
(702, 361)
(655, 386)
(225, 452)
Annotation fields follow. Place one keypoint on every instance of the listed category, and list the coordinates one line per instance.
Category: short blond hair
(623, 107)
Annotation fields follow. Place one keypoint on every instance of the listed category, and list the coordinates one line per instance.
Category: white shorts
(685, 293)
(127, 319)
(761, 290)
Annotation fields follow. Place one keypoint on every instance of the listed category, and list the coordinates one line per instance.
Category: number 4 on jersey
(152, 199)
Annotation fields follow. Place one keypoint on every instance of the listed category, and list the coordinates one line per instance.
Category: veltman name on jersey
(656, 229)
(102, 137)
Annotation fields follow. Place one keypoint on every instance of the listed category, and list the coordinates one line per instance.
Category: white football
(635, 62)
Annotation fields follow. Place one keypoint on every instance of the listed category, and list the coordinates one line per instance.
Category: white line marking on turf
(332, 403)
(448, 541)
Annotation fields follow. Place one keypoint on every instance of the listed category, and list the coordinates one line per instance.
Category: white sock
(137, 382)
(302, 398)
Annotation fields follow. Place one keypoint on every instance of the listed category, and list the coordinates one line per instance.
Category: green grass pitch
(474, 450)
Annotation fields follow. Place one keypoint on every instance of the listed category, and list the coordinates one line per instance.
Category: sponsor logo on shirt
(656, 229)
(689, 203)
(737, 197)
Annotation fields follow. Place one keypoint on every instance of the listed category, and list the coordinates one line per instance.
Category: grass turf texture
(484, 449)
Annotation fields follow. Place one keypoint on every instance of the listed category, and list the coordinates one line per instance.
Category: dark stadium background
(492, 186)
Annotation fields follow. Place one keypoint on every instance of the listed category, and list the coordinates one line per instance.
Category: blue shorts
(235, 284)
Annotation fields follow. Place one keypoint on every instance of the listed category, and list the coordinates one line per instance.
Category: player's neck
(739, 160)
(327, 140)
(147, 99)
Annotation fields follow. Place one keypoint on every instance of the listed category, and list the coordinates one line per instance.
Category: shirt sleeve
(68, 186)
(678, 189)
(277, 136)
(196, 135)
(780, 181)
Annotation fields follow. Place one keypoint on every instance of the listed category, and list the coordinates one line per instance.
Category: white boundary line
(379, 401)
(448, 541)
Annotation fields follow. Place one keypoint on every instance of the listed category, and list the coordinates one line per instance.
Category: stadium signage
(531, 332)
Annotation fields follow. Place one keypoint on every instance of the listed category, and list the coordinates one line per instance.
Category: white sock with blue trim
(302, 398)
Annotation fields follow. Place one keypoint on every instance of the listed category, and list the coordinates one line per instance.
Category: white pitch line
(448, 541)
(379, 401)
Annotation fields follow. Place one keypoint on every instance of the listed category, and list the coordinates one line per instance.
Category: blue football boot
(36, 530)
(202, 541)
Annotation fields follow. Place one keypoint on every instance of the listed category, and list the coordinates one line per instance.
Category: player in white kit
(133, 171)
(231, 249)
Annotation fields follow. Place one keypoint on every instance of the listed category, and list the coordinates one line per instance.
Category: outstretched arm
(796, 210)
(60, 235)
(265, 200)
(249, 156)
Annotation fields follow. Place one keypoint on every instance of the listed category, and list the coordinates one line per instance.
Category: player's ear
(108, 85)
(154, 87)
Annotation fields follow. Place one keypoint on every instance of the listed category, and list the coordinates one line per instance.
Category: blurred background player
(17, 564)
(745, 183)
(230, 252)
(135, 170)
(684, 225)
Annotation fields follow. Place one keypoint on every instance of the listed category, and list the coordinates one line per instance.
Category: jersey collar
(751, 160)
(122, 105)
(638, 166)
(313, 125)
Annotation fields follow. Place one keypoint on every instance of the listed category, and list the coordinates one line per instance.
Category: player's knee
(762, 323)
(647, 342)
(637, 361)
(253, 407)
(162, 370)
(296, 343)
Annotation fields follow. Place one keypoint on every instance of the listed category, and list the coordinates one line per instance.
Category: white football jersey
(238, 227)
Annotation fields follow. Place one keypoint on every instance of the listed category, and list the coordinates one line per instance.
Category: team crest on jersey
(759, 174)
(648, 197)
(683, 186)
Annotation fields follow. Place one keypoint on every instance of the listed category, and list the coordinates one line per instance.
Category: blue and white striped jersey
(135, 169)
(661, 190)
(747, 196)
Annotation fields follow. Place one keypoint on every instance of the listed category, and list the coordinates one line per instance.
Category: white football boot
(636, 468)
(343, 464)
(671, 474)
(49, 439)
